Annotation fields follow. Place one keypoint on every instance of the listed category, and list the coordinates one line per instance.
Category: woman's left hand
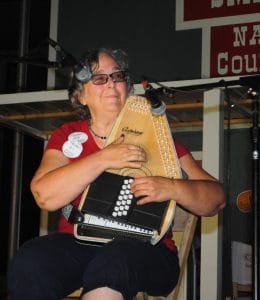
(152, 189)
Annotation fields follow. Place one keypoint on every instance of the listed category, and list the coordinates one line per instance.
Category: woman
(53, 266)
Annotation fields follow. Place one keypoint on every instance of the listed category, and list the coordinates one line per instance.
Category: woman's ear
(82, 97)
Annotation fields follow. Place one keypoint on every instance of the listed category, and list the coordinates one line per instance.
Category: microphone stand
(253, 83)
(254, 94)
(26, 60)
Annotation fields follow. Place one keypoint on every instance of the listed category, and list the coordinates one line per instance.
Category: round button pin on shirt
(78, 137)
(72, 150)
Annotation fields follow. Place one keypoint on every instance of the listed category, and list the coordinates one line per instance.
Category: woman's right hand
(120, 155)
(57, 182)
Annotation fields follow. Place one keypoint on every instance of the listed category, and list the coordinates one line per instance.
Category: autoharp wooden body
(108, 206)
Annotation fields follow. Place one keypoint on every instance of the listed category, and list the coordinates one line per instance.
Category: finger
(135, 164)
(140, 190)
(119, 140)
(144, 200)
(133, 147)
(138, 181)
(136, 158)
(137, 154)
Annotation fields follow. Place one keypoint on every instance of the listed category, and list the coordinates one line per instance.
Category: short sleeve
(57, 139)
(180, 148)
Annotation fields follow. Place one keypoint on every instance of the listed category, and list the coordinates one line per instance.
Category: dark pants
(53, 266)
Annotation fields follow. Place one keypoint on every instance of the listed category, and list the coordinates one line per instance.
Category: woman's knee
(116, 267)
(31, 274)
(130, 266)
(102, 293)
(25, 265)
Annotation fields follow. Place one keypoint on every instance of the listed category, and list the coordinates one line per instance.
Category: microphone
(82, 72)
(158, 107)
(66, 59)
(72, 214)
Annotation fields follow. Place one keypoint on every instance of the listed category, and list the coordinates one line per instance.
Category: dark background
(35, 79)
(144, 29)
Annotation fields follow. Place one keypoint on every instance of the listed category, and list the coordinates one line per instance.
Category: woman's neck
(102, 125)
(100, 130)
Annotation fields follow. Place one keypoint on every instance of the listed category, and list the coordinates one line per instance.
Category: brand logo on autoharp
(128, 130)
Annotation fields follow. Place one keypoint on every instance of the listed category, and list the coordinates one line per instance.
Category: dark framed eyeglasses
(118, 76)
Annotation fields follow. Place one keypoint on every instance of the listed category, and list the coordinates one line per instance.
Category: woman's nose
(110, 82)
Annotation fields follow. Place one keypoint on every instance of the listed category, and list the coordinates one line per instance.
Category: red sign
(206, 9)
(235, 49)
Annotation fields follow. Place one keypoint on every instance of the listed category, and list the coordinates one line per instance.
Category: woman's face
(109, 97)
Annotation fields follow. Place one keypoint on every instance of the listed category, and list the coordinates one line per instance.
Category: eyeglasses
(118, 76)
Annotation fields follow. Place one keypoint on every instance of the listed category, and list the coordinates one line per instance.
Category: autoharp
(108, 206)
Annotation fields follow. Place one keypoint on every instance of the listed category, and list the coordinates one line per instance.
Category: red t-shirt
(75, 141)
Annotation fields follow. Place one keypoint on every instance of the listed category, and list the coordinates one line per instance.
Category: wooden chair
(183, 232)
(242, 291)
(75, 295)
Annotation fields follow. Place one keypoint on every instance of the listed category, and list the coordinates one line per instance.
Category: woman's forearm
(201, 197)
